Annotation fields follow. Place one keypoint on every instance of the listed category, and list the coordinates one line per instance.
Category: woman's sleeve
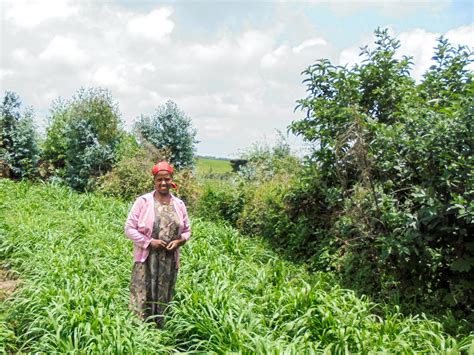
(131, 226)
(186, 234)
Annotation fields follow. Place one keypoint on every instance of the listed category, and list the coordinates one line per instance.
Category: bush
(255, 198)
(19, 152)
(131, 176)
(220, 200)
(390, 178)
(82, 137)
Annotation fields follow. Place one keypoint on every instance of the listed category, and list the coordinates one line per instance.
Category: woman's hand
(158, 244)
(175, 244)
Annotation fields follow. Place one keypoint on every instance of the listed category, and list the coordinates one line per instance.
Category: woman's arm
(186, 233)
(131, 225)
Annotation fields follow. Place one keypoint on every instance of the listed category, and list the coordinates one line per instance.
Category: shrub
(131, 176)
(220, 200)
(19, 152)
(394, 180)
(82, 136)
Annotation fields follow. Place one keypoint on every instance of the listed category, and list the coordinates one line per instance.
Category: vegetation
(169, 128)
(19, 152)
(131, 175)
(384, 201)
(233, 293)
(382, 205)
(82, 136)
(389, 188)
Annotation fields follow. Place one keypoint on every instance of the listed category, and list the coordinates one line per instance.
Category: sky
(233, 67)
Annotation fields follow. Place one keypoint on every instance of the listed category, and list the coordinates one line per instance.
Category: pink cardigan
(139, 224)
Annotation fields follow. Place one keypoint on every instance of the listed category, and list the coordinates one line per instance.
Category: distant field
(214, 166)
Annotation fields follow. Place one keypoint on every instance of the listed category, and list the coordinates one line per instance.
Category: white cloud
(349, 56)
(65, 50)
(417, 43)
(30, 13)
(215, 128)
(6, 72)
(109, 77)
(237, 81)
(420, 44)
(463, 35)
(154, 26)
(272, 58)
(393, 8)
(309, 43)
(147, 67)
(209, 52)
(234, 47)
(22, 55)
(252, 43)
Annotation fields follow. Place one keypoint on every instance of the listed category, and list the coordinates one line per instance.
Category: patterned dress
(152, 283)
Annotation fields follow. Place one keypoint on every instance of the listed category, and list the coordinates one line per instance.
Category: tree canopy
(82, 136)
(391, 172)
(19, 152)
(171, 129)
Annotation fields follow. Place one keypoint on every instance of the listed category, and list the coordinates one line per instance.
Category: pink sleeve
(186, 234)
(131, 225)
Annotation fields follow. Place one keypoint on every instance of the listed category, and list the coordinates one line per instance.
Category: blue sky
(232, 66)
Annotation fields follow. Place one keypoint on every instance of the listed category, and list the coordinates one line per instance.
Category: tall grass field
(73, 264)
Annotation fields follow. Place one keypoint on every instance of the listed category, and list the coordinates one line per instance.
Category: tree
(82, 136)
(19, 150)
(170, 128)
(389, 185)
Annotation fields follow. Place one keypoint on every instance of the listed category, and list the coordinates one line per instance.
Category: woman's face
(162, 181)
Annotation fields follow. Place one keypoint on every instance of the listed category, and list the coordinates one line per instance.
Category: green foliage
(82, 137)
(391, 176)
(449, 77)
(131, 176)
(19, 152)
(264, 162)
(252, 199)
(169, 128)
(233, 294)
(220, 200)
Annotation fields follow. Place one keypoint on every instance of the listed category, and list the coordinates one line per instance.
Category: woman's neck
(162, 197)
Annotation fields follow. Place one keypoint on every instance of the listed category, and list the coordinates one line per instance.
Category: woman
(158, 225)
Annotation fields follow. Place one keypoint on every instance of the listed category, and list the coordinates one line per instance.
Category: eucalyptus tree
(169, 128)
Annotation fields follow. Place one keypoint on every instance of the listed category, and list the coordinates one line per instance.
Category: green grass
(207, 166)
(232, 294)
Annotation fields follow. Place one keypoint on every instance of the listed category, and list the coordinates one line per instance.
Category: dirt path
(7, 284)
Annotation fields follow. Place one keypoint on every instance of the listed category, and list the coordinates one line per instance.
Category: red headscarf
(163, 166)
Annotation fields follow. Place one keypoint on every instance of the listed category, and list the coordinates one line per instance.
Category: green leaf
(462, 264)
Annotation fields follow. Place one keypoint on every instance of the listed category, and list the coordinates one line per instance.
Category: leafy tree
(170, 128)
(19, 150)
(386, 197)
(82, 136)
